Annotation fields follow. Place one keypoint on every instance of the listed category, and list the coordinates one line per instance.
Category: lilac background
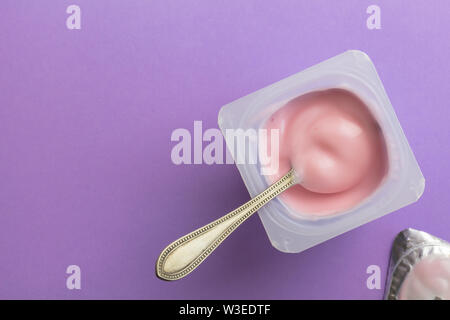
(85, 124)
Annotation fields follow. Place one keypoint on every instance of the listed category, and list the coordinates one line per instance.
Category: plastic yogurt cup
(292, 228)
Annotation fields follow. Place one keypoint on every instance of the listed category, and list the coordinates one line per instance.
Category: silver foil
(409, 247)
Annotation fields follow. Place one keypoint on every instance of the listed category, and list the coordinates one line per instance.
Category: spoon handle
(182, 256)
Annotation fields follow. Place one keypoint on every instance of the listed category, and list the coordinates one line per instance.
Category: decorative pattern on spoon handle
(182, 256)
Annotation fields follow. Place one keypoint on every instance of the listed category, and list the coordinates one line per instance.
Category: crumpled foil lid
(409, 248)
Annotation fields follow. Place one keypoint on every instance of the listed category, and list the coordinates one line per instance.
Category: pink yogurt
(335, 145)
(428, 280)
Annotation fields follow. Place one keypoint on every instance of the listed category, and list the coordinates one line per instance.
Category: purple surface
(86, 117)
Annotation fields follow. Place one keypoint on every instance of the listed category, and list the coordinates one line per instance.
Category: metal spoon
(182, 256)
